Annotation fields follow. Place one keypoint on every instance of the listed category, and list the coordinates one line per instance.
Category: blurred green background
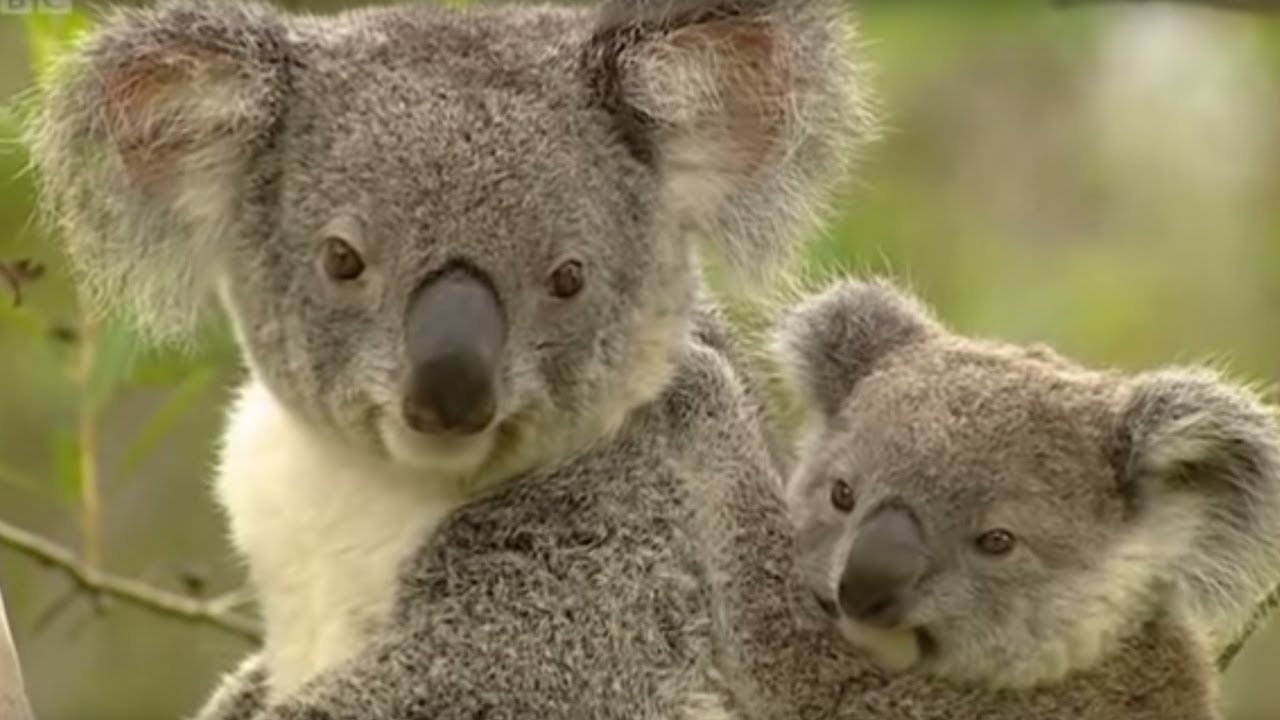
(1106, 179)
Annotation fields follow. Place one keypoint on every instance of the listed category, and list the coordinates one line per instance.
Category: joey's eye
(996, 542)
(567, 279)
(341, 261)
(842, 497)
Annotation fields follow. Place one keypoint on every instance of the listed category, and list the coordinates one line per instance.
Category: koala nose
(887, 560)
(454, 335)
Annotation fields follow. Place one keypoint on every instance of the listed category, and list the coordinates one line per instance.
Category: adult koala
(455, 247)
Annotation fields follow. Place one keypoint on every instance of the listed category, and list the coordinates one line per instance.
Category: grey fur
(1189, 429)
(240, 694)
(827, 351)
(1137, 499)
(200, 146)
(641, 565)
(655, 577)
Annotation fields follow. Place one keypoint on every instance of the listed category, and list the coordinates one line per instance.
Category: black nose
(885, 564)
(454, 334)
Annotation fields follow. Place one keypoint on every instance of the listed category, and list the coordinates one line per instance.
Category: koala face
(966, 496)
(455, 240)
(994, 513)
(480, 267)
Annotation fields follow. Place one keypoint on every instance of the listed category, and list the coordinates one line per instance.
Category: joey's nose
(886, 562)
(454, 335)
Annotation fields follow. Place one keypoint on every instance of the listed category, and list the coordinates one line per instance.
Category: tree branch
(219, 612)
(1267, 6)
(13, 696)
(1260, 616)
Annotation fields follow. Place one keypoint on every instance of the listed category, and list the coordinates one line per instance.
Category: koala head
(996, 513)
(455, 239)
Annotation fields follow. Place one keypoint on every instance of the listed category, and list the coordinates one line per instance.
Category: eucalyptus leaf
(22, 320)
(112, 356)
(164, 368)
(162, 421)
(66, 465)
(14, 479)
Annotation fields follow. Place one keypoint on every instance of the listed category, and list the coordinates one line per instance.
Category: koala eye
(341, 261)
(842, 497)
(567, 279)
(996, 542)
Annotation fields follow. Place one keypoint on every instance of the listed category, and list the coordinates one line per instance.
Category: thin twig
(219, 612)
(232, 601)
(13, 275)
(13, 697)
(1260, 616)
(87, 436)
(12, 282)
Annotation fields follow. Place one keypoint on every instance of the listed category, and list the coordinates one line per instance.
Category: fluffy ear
(1188, 431)
(143, 143)
(832, 340)
(750, 109)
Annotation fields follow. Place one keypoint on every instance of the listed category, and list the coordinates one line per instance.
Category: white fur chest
(324, 533)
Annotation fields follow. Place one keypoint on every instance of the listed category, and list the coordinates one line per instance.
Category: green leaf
(49, 35)
(12, 478)
(66, 465)
(164, 368)
(23, 320)
(111, 361)
(174, 407)
(15, 479)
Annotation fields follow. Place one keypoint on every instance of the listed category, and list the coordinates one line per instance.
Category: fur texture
(641, 565)
(197, 149)
(1138, 504)
(325, 531)
(655, 576)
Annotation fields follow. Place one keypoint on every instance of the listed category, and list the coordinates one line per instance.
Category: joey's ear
(144, 142)
(750, 109)
(832, 340)
(1189, 431)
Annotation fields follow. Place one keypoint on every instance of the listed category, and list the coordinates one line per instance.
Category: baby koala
(990, 513)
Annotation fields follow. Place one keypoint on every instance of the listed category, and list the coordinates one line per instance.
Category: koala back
(678, 529)
(666, 556)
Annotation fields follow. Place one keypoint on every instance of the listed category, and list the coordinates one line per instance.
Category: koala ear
(143, 143)
(1187, 431)
(749, 109)
(832, 340)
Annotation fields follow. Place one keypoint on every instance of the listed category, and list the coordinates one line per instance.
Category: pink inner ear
(753, 84)
(144, 101)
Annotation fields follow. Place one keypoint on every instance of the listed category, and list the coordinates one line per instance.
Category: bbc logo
(27, 7)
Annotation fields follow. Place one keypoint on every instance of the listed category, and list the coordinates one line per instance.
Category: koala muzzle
(883, 568)
(454, 334)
